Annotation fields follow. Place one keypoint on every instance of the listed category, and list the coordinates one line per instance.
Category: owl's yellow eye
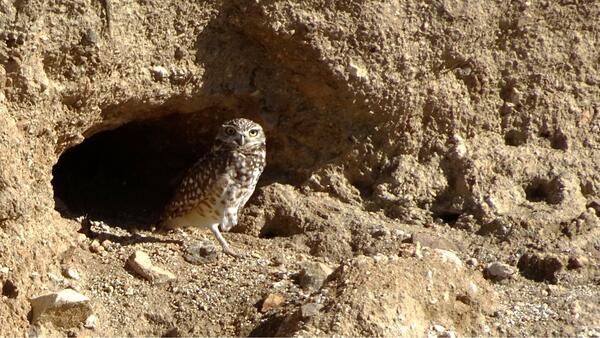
(229, 131)
(253, 132)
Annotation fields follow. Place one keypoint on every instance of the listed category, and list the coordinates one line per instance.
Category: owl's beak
(240, 139)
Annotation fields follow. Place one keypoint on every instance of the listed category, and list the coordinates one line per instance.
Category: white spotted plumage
(217, 186)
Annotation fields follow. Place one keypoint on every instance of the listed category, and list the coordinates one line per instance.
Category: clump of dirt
(409, 146)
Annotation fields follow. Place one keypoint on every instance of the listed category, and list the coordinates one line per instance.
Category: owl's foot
(233, 253)
(226, 248)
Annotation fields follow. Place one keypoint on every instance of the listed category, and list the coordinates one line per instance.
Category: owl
(214, 190)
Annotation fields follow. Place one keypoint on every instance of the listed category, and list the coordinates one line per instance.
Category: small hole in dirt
(559, 141)
(280, 226)
(364, 188)
(9, 289)
(125, 176)
(448, 217)
(542, 190)
(515, 138)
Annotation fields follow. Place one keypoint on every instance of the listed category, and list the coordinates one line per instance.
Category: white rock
(66, 308)
(439, 328)
(54, 278)
(159, 72)
(357, 70)
(451, 257)
(71, 273)
(90, 322)
(313, 275)
(498, 271)
(140, 262)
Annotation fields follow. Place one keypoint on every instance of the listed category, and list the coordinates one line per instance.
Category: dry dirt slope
(396, 130)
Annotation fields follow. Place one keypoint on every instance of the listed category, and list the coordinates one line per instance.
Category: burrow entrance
(125, 176)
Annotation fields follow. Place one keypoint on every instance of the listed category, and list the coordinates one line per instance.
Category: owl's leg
(229, 219)
(226, 248)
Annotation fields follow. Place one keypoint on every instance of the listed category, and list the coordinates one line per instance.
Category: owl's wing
(196, 184)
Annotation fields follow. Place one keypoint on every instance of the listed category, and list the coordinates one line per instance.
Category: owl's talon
(233, 253)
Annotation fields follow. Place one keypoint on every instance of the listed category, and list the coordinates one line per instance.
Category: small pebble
(159, 73)
(71, 273)
(90, 322)
(498, 271)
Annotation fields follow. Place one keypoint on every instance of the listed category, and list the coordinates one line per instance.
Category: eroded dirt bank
(433, 167)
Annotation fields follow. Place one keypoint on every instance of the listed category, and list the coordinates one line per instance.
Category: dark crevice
(125, 176)
(448, 217)
(543, 190)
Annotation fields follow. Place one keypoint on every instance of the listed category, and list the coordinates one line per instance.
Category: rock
(90, 322)
(71, 273)
(447, 334)
(438, 328)
(498, 271)
(9, 289)
(159, 73)
(200, 252)
(449, 256)
(65, 309)
(472, 262)
(89, 37)
(313, 275)
(534, 266)
(96, 247)
(271, 301)
(357, 70)
(140, 262)
(379, 231)
(172, 332)
(310, 309)
(54, 277)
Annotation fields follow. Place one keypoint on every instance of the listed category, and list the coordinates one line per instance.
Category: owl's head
(241, 133)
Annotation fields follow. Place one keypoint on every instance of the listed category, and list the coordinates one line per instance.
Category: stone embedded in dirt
(9, 289)
(498, 271)
(91, 321)
(172, 332)
(538, 268)
(357, 70)
(140, 262)
(159, 73)
(313, 275)
(310, 309)
(472, 262)
(379, 231)
(200, 252)
(65, 309)
(53, 277)
(71, 273)
(96, 247)
(449, 256)
(271, 301)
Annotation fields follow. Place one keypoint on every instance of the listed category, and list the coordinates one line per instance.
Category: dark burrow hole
(125, 176)
(543, 190)
(281, 226)
(515, 138)
(448, 217)
(558, 139)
